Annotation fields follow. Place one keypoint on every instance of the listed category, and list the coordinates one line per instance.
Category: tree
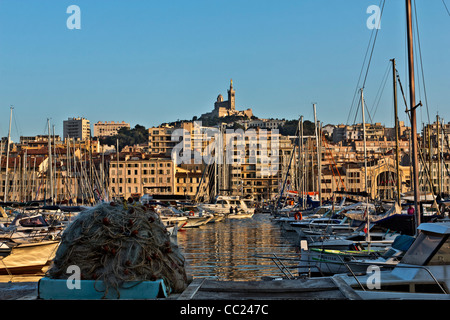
(127, 137)
(290, 128)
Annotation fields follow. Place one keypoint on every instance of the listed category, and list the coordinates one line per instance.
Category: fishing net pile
(119, 242)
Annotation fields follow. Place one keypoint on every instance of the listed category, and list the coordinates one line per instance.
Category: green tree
(127, 137)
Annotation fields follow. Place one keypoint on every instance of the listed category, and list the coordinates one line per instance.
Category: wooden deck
(301, 289)
(327, 288)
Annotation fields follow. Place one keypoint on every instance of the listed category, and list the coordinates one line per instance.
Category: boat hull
(29, 257)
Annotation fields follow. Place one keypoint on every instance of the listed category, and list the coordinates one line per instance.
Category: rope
(119, 242)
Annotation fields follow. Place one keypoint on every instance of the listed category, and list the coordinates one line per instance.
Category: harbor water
(238, 249)
(232, 249)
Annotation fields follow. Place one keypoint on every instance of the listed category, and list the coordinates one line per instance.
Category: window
(423, 247)
(442, 256)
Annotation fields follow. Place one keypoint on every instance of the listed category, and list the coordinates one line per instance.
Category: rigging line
(360, 73)
(357, 109)
(401, 89)
(373, 46)
(381, 89)
(421, 63)
(446, 7)
(369, 62)
(18, 131)
(367, 110)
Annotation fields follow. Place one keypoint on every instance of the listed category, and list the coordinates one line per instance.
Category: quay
(327, 288)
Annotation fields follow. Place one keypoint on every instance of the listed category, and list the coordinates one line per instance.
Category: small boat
(240, 215)
(320, 226)
(223, 204)
(30, 227)
(28, 257)
(423, 272)
(332, 261)
(197, 220)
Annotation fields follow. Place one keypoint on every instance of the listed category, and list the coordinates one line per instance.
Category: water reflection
(227, 250)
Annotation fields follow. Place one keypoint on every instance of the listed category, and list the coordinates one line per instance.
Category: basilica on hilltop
(227, 108)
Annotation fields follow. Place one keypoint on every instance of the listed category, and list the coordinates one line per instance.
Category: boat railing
(427, 270)
(278, 261)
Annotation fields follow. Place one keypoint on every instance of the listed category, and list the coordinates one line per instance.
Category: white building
(77, 128)
(106, 129)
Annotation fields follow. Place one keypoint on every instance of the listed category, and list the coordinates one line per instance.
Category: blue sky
(148, 62)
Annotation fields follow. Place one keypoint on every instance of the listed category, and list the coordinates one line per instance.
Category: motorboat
(197, 218)
(319, 226)
(240, 215)
(357, 240)
(334, 261)
(28, 257)
(226, 204)
(30, 228)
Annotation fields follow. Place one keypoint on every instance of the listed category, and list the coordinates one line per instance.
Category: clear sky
(148, 62)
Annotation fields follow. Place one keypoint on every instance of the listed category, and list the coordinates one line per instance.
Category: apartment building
(160, 140)
(374, 131)
(77, 128)
(136, 175)
(257, 168)
(107, 129)
(188, 180)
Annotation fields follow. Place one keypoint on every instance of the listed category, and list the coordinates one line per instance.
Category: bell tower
(231, 96)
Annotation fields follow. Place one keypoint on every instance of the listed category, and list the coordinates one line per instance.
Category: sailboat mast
(303, 188)
(397, 151)
(319, 166)
(438, 156)
(364, 140)
(412, 103)
(7, 155)
(50, 173)
(117, 170)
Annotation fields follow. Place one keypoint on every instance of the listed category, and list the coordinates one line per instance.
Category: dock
(328, 288)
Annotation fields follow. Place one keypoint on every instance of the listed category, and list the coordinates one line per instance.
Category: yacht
(223, 204)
